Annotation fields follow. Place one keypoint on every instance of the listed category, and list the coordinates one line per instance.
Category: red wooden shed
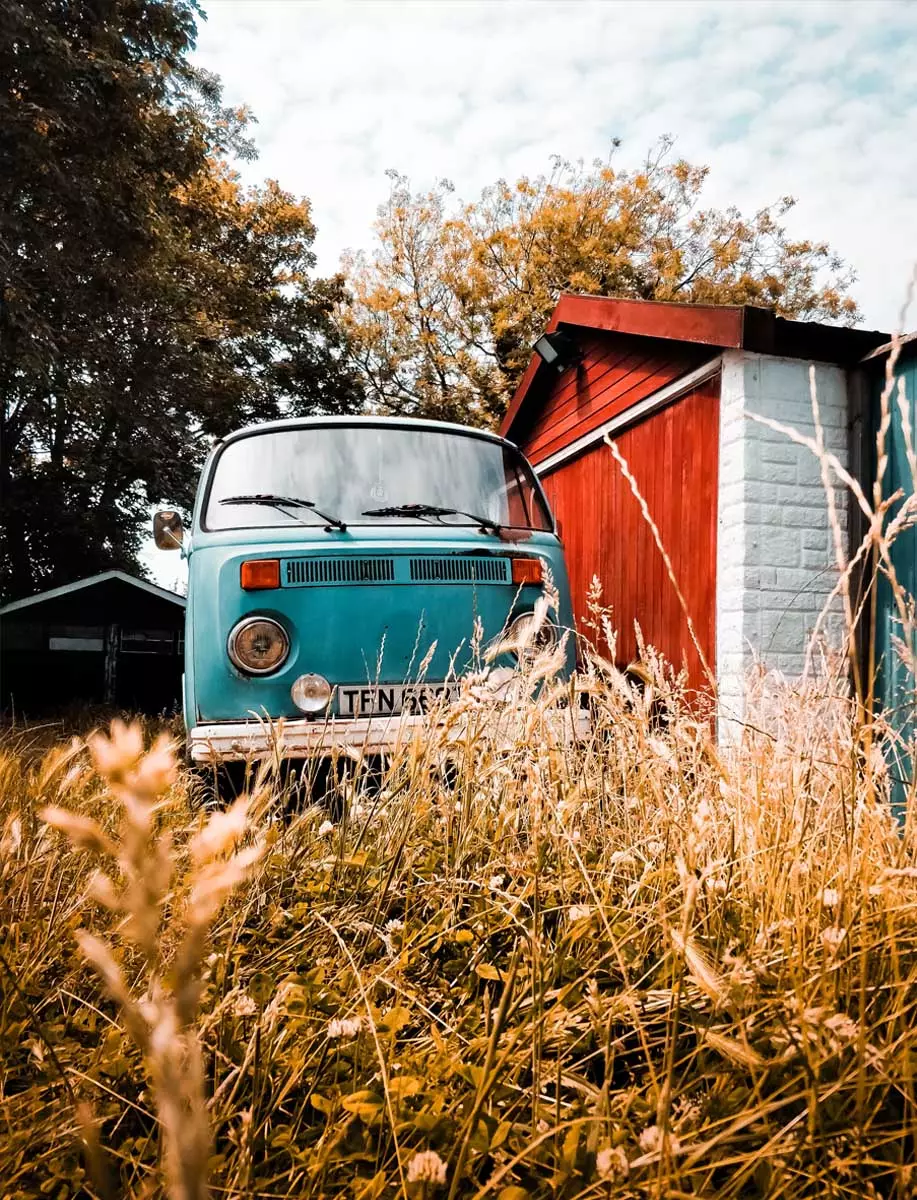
(739, 508)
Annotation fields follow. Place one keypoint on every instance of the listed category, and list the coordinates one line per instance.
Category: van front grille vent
(460, 570)
(346, 569)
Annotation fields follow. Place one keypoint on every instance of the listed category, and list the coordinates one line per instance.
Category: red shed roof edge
(727, 326)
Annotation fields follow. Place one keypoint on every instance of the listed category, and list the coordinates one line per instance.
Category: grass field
(649, 966)
(656, 964)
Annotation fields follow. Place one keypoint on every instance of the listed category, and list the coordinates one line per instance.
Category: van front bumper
(240, 741)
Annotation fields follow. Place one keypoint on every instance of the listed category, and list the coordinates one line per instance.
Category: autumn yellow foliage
(448, 304)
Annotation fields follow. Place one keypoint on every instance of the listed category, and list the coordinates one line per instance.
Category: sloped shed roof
(108, 585)
(722, 326)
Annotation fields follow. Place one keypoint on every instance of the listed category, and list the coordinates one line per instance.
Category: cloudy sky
(803, 98)
(816, 100)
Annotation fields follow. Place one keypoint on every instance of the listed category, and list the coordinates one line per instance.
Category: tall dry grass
(644, 966)
(647, 965)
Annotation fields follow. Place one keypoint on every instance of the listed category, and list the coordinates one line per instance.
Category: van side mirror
(167, 529)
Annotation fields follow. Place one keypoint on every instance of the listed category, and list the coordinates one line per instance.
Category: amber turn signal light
(260, 573)
(527, 570)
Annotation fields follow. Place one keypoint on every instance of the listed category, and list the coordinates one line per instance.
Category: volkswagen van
(339, 568)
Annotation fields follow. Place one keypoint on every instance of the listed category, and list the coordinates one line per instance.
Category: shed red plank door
(673, 455)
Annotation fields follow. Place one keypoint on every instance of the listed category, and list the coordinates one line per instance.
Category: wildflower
(830, 897)
(575, 836)
(427, 1167)
(843, 1028)
(611, 1163)
(325, 828)
(579, 912)
(344, 1028)
(495, 883)
(651, 1140)
(395, 925)
(243, 1005)
(655, 848)
(832, 938)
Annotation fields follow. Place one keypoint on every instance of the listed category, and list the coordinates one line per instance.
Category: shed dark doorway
(111, 639)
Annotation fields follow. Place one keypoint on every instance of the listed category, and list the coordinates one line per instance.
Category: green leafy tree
(449, 303)
(148, 301)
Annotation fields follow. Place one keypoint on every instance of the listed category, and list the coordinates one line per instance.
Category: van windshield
(360, 474)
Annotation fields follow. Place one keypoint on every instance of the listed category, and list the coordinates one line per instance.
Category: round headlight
(532, 638)
(258, 645)
(311, 693)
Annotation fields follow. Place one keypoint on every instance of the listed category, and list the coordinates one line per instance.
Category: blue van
(338, 570)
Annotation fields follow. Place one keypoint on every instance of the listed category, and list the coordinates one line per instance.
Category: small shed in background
(110, 639)
(740, 507)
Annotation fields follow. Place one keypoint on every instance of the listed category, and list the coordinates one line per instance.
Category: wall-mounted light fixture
(557, 350)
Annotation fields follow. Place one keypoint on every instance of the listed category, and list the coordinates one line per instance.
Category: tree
(148, 302)
(448, 305)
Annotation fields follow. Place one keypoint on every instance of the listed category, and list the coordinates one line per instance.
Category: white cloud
(816, 100)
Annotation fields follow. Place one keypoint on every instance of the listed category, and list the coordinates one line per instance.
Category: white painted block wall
(775, 554)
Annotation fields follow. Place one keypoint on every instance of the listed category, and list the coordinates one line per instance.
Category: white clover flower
(427, 1167)
(325, 828)
(496, 882)
(344, 1028)
(844, 1029)
(830, 897)
(395, 925)
(243, 1005)
(832, 938)
(651, 1140)
(579, 912)
(611, 1163)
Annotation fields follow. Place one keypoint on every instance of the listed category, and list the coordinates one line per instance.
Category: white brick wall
(775, 555)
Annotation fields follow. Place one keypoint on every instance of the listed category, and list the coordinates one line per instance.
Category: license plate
(392, 699)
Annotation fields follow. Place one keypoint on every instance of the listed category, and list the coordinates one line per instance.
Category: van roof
(406, 422)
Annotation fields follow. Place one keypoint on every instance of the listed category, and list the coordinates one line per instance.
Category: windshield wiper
(432, 510)
(283, 502)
